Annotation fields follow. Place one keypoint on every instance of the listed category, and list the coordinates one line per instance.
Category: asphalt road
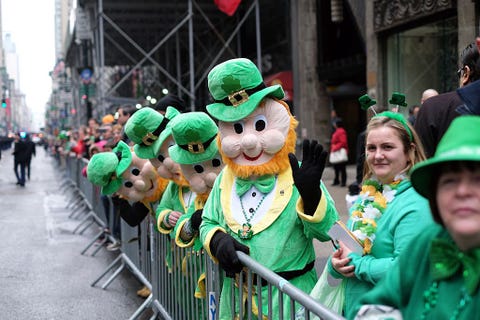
(42, 273)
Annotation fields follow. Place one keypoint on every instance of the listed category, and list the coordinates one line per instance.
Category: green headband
(397, 117)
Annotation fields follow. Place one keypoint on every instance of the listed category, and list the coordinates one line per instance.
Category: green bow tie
(447, 259)
(264, 184)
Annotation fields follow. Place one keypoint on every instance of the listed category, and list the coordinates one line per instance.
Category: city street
(42, 273)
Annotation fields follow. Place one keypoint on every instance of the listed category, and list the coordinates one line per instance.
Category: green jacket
(404, 286)
(282, 239)
(403, 220)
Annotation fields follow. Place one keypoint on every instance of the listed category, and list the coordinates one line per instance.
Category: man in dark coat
(20, 157)
(30, 152)
(437, 112)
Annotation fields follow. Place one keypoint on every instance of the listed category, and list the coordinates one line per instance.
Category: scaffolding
(136, 50)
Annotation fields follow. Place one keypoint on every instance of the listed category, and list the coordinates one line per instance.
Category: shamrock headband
(397, 117)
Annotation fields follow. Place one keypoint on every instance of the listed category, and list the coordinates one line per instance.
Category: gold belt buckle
(238, 97)
(149, 138)
(199, 145)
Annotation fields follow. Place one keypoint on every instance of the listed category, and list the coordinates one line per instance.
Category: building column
(311, 103)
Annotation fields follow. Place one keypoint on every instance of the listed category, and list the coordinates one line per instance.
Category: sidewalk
(42, 273)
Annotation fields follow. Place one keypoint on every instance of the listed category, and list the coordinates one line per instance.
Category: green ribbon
(447, 259)
(264, 184)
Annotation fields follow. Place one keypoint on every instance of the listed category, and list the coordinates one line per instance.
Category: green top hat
(146, 128)
(105, 169)
(143, 128)
(398, 99)
(194, 135)
(461, 142)
(170, 114)
(366, 102)
(237, 88)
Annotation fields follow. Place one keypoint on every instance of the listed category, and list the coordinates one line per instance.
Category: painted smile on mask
(253, 158)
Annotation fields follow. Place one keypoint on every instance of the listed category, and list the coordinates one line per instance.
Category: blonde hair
(411, 146)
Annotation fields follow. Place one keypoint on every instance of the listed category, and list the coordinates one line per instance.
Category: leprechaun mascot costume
(130, 178)
(151, 132)
(263, 203)
(196, 151)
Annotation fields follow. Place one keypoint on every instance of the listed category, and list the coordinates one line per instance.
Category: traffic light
(4, 103)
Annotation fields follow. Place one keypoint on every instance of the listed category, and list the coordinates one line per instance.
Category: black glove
(119, 202)
(131, 214)
(196, 219)
(223, 247)
(307, 177)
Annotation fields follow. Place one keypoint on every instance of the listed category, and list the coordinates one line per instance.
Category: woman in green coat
(438, 275)
(388, 213)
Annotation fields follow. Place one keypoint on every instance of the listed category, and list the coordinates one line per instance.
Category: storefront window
(421, 58)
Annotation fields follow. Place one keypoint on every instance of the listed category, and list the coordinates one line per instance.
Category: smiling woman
(388, 212)
(437, 276)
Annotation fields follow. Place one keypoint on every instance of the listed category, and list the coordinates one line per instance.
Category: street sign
(86, 75)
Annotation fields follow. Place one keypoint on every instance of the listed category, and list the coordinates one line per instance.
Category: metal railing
(172, 273)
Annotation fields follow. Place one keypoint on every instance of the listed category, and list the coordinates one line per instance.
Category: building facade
(325, 53)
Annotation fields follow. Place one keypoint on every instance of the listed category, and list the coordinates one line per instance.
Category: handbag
(328, 291)
(338, 156)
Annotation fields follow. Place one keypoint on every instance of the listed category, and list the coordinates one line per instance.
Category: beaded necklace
(372, 203)
(246, 232)
(430, 298)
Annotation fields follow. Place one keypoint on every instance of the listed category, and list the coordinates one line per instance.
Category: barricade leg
(83, 221)
(93, 241)
(110, 267)
(77, 211)
(142, 308)
(114, 275)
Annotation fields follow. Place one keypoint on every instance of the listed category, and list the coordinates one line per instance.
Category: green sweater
(403, 219)
(404, 286)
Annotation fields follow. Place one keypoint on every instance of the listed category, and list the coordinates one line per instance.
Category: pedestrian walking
(338, 142)
(30, 152)
(20, 157)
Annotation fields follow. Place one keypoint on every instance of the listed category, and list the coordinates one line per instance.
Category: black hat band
(150, 137)
(197, 147)
(238, 97)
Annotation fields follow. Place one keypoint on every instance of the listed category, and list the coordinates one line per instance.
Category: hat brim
(126, 159)
(229, 113)
(144, 152)
(422, 173)
(161, 139)
(183, 156)
(112, 187)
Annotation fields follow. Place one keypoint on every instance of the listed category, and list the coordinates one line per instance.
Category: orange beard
(158, 192)
(277, 164)
(203, 197)
(181, 182)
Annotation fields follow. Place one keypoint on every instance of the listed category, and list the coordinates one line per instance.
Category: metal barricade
(172, 273)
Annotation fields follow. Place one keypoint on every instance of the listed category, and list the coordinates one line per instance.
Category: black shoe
(343, 185)
(335, 184)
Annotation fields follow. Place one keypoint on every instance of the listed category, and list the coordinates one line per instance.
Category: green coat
(172, 200)
(282, 239)
(403, 219)
(404, 286)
